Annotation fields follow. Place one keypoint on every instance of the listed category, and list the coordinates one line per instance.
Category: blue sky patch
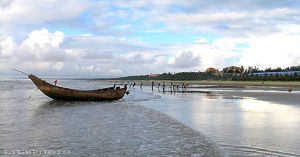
(240, 47)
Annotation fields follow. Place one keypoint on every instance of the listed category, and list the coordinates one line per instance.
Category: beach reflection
(211, 96)
(261, 113)
(242, 125)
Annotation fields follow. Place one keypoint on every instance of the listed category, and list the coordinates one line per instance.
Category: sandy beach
(278, 96)
(245, 121)
(272, 91)
(204, 121)
(229, 83)
(275, 91)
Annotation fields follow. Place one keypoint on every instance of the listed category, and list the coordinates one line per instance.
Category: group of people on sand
(171, 84)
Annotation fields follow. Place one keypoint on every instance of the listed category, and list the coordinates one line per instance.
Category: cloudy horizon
(99, 38)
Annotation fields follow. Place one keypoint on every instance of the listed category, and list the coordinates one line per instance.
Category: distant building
(274, 73)
(211, 70)
(153, 75)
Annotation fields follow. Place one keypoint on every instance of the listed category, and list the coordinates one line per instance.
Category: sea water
(243, 126)
(40, 126)
(144, 123)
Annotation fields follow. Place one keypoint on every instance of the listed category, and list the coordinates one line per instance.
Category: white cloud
(7, 46)
(116, 71)
(185, 60)
(38, 65)
(32, 11)
(42, 37)
(114, 35)
(160, 60)
(57, 66)
(19, 17)
(231, 18)
(201, 55)
(42, 45)
(231, 23)
(278, 50)
(88, 67)
(40, 51)
(290, 29)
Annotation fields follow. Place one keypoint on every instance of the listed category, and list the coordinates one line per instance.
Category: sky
(113, 38)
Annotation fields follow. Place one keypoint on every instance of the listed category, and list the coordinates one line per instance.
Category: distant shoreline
(283, 93)
(229, 83)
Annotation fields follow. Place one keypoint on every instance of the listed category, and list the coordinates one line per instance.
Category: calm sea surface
(43, 127)
(144, 123)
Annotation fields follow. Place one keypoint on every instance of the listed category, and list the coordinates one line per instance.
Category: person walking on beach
(141, 85)
(158, 85)
(171, 85)
(174, 86)
(55, 82)
(133, 84)
(152, 84)
(185, 84)
(164, 84)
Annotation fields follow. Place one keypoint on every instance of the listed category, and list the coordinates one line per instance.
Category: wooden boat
(60, 93)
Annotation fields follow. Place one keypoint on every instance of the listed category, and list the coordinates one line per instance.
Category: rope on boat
(29, 96)
(27, 75)
(19, 71)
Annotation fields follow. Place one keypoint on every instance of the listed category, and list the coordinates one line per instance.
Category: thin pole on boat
(19, 71)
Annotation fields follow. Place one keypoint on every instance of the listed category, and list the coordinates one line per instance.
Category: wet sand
(279, 96)
(274, 91)
(220, 83)
(248, 83)
(242, 126)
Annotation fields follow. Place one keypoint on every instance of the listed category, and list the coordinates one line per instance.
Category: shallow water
(242, 126)
(133, 126)
(40, 126)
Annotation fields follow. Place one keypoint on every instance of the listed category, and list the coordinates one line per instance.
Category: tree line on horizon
(234, 74)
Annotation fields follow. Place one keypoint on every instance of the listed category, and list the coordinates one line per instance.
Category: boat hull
(60, 93)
